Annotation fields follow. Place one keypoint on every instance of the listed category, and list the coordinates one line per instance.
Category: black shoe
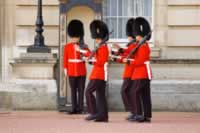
(131, 116)
(90, 117)
(101, 120)
(140, 118)
(72, 112)
(80, 112)
(136, 118)
(144, 119)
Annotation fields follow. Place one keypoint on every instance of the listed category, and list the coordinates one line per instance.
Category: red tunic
(142, 69)
(99, 70)
(72, 61)
(128, 69)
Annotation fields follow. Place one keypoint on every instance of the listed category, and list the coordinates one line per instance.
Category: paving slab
(55, 122)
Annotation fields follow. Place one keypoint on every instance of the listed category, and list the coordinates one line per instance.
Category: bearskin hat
(75, 28)
(99, 29)
(141, 27)
(129, 27)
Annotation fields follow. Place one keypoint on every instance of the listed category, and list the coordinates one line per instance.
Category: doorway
(86, 15)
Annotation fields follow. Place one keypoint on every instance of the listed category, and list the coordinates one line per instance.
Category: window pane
(122, 27)
(112, 24)
(117, 12)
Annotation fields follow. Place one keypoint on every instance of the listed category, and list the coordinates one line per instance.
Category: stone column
(160, 15)
(1, 28)
(8, 37)
(62, 92)
(5, 50)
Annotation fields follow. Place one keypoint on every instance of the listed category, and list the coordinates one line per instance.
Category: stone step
(5, 102)
(29, 95)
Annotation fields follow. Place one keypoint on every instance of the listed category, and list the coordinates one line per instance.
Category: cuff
(83, 51)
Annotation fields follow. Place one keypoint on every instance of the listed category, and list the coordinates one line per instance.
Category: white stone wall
(176, 26)
(26, 13)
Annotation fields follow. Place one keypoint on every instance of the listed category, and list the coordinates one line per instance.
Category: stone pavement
(54, 122)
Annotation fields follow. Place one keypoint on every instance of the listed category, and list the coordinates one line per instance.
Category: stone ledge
(167, 61)
(175, 61)
(32, 61)
(38, 56)
(34, 58)
(183, 2)
(167, 95)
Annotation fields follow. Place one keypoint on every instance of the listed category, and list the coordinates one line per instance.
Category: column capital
(63, 1)
(97, 1)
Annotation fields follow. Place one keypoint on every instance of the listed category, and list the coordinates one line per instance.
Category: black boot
(131, 116)
(144, 119)
(90, 117)
(101, 120)
(135, 118)
(72, 112)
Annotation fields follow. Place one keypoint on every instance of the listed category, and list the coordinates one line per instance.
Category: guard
(74, 66)
(97, 106)
(142, 73)
(128, 69)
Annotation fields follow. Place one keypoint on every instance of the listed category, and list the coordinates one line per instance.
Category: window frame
(124, 40)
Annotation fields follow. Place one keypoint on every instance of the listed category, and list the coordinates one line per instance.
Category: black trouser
(142, 92)
(97, 106)
(77, 85)
(125, 93)
(127, 96)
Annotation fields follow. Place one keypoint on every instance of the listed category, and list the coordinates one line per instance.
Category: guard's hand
(125, 60)
(115, 45)
(85, 58)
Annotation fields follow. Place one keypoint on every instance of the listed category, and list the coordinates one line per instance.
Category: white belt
(116, 57)
(106, 71)
(147, 63)
(75, 60)
(92, 60)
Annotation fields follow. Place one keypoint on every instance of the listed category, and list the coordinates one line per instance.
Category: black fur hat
(141, 27)
(75, 28)
(99, 29)
(129, 27)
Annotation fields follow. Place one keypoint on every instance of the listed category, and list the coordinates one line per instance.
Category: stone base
(33, 49)
(29, 95)
(34, 66)
(168, 95)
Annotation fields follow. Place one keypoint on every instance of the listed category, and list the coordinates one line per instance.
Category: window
(117, 12)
